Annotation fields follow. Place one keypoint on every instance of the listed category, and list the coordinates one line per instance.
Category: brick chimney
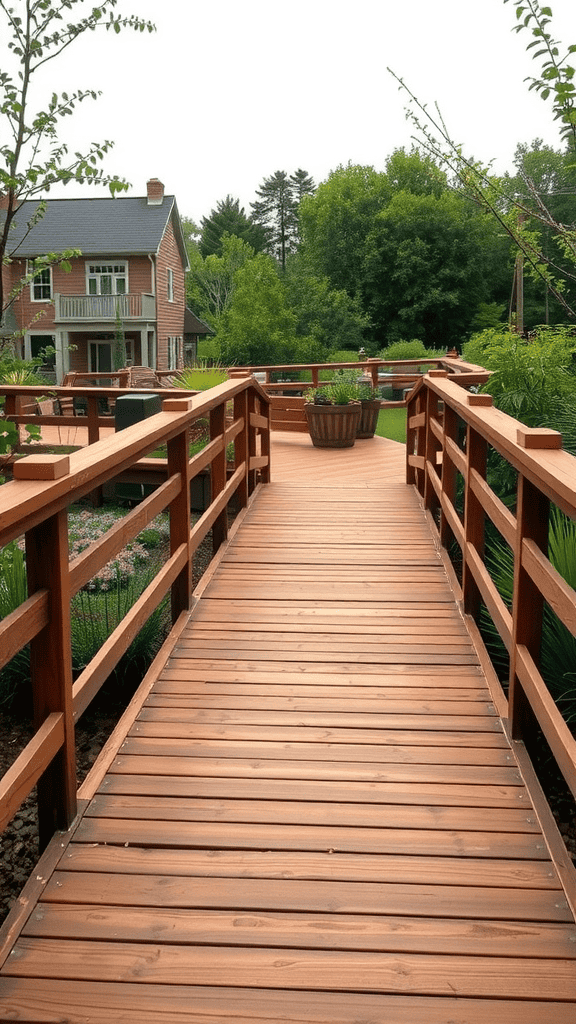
(155, 192)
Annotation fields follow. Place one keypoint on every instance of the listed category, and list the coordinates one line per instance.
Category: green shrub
(208, 351)
(401, 350)
(150, 539)
(343, 356)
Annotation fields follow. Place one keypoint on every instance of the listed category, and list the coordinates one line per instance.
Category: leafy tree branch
(511, 209)
(32, 156)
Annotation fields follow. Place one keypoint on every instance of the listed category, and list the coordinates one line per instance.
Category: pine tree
(277, 210)
(229, 218)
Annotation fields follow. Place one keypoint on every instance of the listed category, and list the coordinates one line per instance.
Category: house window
(170, 285)
(107, 278)
(41, 285)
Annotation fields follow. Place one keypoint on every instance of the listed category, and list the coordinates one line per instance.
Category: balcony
(90, 308)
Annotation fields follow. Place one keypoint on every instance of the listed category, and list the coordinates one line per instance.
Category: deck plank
(316, 816)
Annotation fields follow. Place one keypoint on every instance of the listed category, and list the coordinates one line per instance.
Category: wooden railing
(286, 394)
(35, 504)
(403, 372)
(449, 436)
(21, 404)
(132, 306)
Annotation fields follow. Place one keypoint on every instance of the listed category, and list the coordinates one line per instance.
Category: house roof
(194, 325)
(98, 227)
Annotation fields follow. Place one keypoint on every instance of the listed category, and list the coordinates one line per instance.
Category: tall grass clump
(558, 649)
(200, 377)
(95, 616)
(15, 676)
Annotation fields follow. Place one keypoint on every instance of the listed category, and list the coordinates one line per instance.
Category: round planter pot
(369, 418)
(333, 426)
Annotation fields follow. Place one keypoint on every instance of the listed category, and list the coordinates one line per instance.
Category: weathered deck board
(316, 817)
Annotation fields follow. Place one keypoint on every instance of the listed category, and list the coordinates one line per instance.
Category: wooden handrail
(35, 503)
(448, 435)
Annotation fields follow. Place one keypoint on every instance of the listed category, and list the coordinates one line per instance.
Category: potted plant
(370, 402)
(333, 412)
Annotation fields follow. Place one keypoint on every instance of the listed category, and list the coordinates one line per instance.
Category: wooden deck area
(315, 815)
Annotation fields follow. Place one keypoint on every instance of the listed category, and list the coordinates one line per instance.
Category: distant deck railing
(131, 306)
(400, 375)
(35, 505)
(449, 434)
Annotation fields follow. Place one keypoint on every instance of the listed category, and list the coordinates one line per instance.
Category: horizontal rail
(35, 505)
(449, 436)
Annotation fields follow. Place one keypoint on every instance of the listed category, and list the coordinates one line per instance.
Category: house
(129, 280)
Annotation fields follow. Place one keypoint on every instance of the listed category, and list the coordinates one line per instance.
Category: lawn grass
(392, 424)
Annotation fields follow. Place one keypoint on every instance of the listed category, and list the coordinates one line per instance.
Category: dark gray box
(131, 409)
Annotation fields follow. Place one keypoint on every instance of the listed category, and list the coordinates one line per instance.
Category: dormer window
(107, 278)
(41, 285)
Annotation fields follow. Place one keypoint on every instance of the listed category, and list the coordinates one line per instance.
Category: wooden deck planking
(316, 816)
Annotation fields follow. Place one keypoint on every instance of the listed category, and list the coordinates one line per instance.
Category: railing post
(218, 473)
(532, 513)
(420, 438)
(97, 495)
(265, 440)
(178, 463)
(51, 669)
(430, 499)
(474, 519)
(374, 371)
(315, 376)
(450, 431)
(251, 440)
(241, 445)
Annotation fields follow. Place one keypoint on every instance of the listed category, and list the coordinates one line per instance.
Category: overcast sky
(226, 93)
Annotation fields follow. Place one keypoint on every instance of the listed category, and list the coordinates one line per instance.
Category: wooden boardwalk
(315, 815)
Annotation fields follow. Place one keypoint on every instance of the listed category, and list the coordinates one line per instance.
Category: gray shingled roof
(99, 227)
(194, 325)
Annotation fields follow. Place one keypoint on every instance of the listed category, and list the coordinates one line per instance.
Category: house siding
(170, 315)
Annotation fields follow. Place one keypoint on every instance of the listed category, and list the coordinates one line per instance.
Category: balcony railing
(133, 306)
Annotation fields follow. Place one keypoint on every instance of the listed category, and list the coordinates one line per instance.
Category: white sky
(226, 93)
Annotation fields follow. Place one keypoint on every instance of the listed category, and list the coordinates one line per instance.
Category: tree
(336, 221)
(415, 172)
(473, 179)
(430, 261)
(257, 328)
(32, 156)
(277, 211)
(229, 219)
(210, 282)
(327, 319)
(549, 176)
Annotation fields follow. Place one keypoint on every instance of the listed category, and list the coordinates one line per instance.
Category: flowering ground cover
(86, 525)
